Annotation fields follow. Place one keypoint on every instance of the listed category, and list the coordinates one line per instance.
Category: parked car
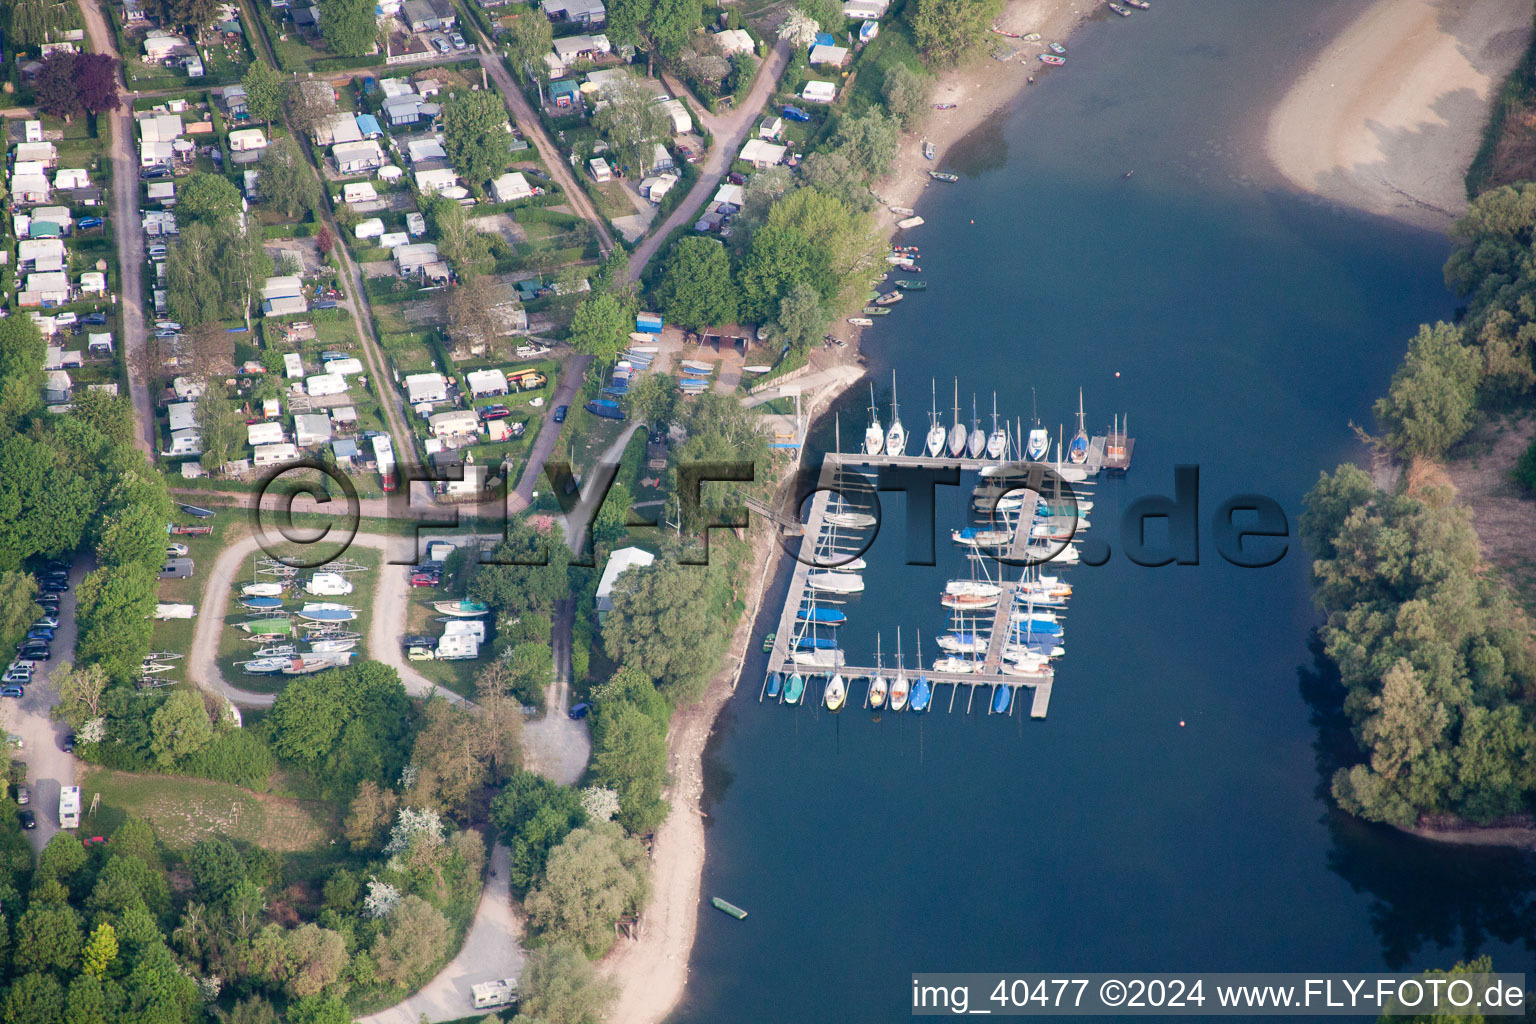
(560, 412)
(23, 796)
(176, 550)
(167, 325)
(28, 819)
(65, 319)
(580, 710)
(495, 412)
(737, 178)
(687, 153)
(14, 740)
(94, 319)
(418, 641)
(151, 173)
(40, 633)
(12, 690)
(49, 620)
(68, 743)
(35, 652)
(440, 44)
(420, 580)
(156, 251)
(457, 39)
(16, 677)
(86, 223)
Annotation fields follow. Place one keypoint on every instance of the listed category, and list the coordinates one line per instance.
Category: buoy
(1117, 373)
(1181, 723)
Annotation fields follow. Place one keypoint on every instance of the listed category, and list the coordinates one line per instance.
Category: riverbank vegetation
(1436, 657)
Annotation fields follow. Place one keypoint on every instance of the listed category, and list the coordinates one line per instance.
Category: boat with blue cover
(1002, 697)
(774, 683)
(824, 616)
(262, 602)
(815, 643)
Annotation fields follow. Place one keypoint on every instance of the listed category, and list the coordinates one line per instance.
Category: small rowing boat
(889, 299)
(794, 689)
(861, 321)
(1052, 59)
(774, 684)
(945, 106)
(901, 211)
(944, 176)
(928, 150)
(1141, 5)
(1056, 48)
(908, 285)
(909, 222)
(876, 311)
(835, 582)
(1122, 11)
(729, 908)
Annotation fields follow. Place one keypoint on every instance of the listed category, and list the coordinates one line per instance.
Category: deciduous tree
(286, 182)
(559, 985)
(633, 123)
(600, 327)
(948, 30)
(349, 27)
(594, 877)
(696, 289)
(414, 940)
(263, 91)
(206, 197)
(475, 135)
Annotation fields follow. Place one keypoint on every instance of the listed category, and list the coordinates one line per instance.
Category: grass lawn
(184, 810)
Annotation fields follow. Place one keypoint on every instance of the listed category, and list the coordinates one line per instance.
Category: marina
(1003, 632)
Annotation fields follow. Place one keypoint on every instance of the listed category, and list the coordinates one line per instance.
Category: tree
(531, 668)
(308, 103)
(630, 756)
(57, 92)
(316, 959)
(947, 30)
(115, 611)
(530, 37)
(559, 985)
(287, 184)
(45, 507)
(218, 425)
(802, 316)
(696, 289)
(179, 728)
(461, 243)
(475, 135)
(499, 716)
(672, 22)
(470, 315)
(652, 397)
(195, 15)
(633, 123)
(869, 141)
(799, 28)
(344, 725)
(594, 877)
(451, 758)
(905, 92)
(194, 294)
(17, 609)
(47, 939)
(827, 14)
(35, 998)
(217, 868)
(263, 91)
(831, 173)
(22, 350)
(80, 693)
(807, 238)
(350, 28)
(414, 940)
(655, 624)
(600, 327)
(131, 535)
(1430, 403)
(99, 951)
(96, 76)
(533, 815)
(372, 809)
(206, 197)
(612, 520)
(37, 21)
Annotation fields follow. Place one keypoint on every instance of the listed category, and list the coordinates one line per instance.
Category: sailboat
(1039, 443)
(874, 435)
(921, 691)
(774, 684)
(835, 693)
(978, 441)
(997, 443)
(935, 428)
(896, 437)
(262, 590)
(956, 430)
(1002, 697)
(899, 686)
(877, 685)
(1077, 451)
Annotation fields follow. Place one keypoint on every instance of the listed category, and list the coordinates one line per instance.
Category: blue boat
(262, 602)
(825, 616)
(815, 643)
(1002, 697)
(606, 408)
(922, 693)
(1037, 645)
(773, 684)
(1039, 627)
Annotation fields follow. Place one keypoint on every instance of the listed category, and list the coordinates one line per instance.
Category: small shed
(510, 187)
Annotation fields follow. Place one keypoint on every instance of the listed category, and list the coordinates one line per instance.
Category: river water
(1248, 327)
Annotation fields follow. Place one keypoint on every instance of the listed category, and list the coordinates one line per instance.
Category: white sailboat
(957, 430)
(896, 437)
(935, 428)
(877, 685)
(900, 688)
(1039, 443)
(976, 588)
(978, 441)
(1077, 451)
(835, 693)
(874, 434)
(997, 443)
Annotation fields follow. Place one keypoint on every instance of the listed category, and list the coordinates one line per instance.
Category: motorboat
(957, 666)
(794, 689)
(463, 609)
(936, 433)
(835, 693)
(861, 321)
(896, 436)
(835, 582)
(944, 176)
(928, 150)
(262, 590)
(972, 537)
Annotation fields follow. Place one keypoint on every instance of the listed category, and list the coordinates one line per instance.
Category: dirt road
(388, 625)
(127, 230)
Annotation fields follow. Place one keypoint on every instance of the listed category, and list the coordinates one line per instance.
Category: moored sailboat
(956, 430)
(935, 428)
(997, 441)
(1077, 451)
(978, 440)
(896, 436)
(835, 693)
(874, 434)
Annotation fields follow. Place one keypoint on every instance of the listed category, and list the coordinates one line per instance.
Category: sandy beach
(652, 969)
(1389, 116)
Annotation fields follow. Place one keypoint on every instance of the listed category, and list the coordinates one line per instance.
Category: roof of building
(620, 561)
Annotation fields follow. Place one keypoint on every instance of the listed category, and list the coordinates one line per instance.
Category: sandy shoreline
(1391, 113)
(652, 969)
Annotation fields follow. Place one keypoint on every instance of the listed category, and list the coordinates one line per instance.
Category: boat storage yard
(1005, 623)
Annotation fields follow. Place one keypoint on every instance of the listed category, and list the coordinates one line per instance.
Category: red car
(495, 412)
(687, 153)
(423, 580)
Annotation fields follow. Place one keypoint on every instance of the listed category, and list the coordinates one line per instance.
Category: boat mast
(957, 400)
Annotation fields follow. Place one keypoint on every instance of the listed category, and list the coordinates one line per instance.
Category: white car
(176, 550)
(65, 319)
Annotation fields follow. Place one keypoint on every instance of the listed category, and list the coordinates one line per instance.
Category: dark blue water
(1248, 327)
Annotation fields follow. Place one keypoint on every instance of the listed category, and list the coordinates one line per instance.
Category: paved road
(730, 132)
(126, 229)
(387, 627)
(528, 120)
(48, 767)
(490, 951)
